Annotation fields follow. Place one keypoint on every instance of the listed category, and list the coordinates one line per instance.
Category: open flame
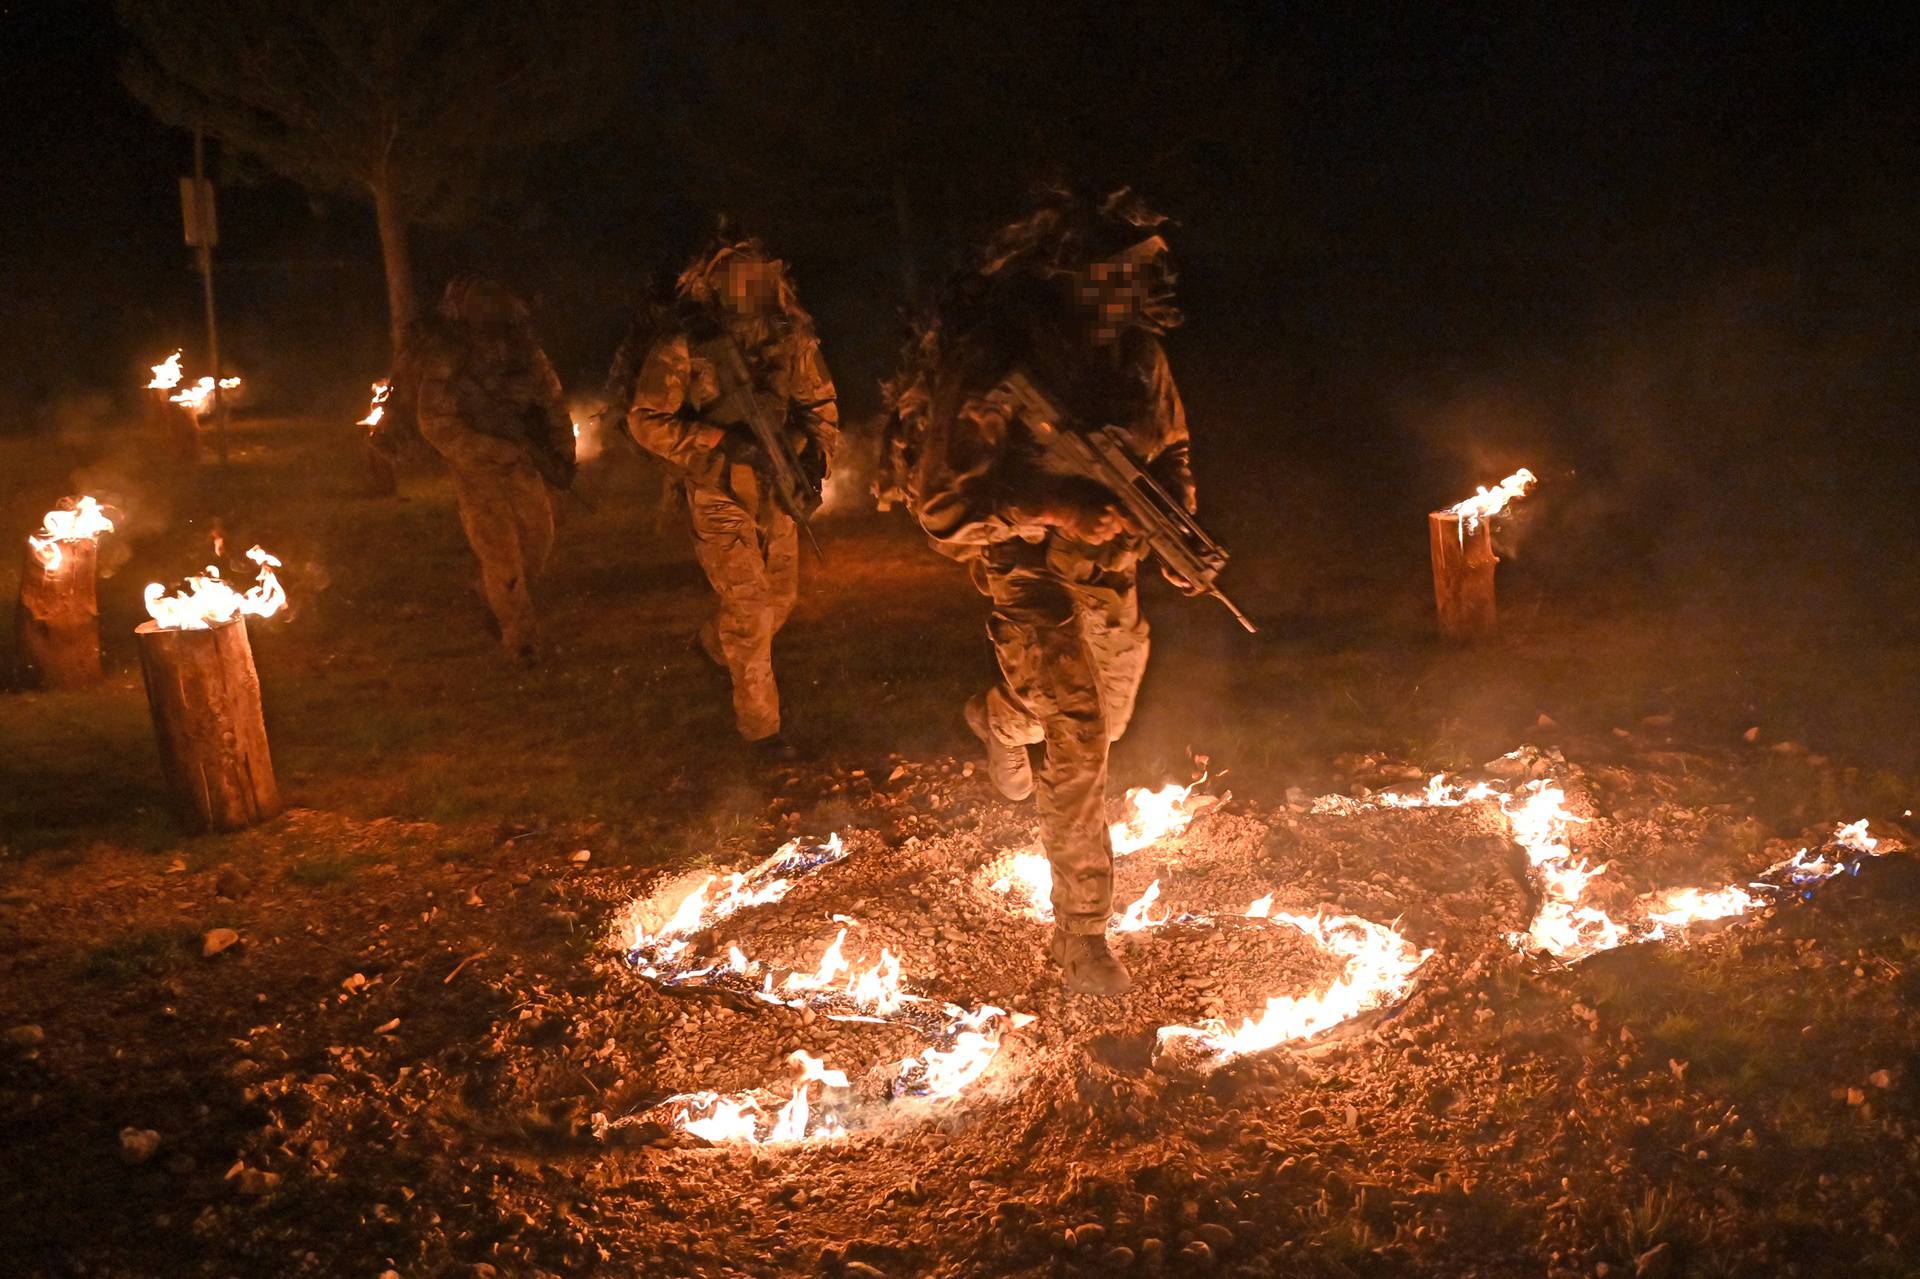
(1148, 816)
(1489, 502)
(198, 398)
(659, 934)
(1569, 925)
(166, 374)
(378, 408)
(84, 520)
(209, 601)
(1379, 970)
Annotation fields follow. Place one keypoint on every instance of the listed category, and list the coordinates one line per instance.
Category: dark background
(1665, 260)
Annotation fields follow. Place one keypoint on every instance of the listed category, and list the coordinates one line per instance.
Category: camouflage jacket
(975, 475)
(679, 391)
(490, 398)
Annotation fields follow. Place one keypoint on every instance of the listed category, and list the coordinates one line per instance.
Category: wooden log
(1462, 577)
(57, 620)
(205, 697)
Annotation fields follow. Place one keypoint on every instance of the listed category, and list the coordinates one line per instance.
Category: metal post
(206, 290)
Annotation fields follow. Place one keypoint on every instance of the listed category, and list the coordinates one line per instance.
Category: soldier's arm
(445, 425)
(957, 479)
(656, 418)
(1172, 465)
(812, 391)
(554, 402)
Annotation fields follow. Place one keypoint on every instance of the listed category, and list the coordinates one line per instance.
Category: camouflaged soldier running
(685, 411)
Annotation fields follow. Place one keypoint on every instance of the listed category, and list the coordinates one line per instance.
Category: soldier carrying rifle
(1061, 319)
(736, 400)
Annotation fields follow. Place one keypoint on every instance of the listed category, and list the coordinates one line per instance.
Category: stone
(138, 1144)
(27, 1036)
(217, 940)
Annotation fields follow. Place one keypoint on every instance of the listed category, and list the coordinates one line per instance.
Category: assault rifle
(795, 491)
(1103, 455)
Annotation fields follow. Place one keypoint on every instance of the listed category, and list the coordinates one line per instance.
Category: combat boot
(1087, 965)
(1008, 767)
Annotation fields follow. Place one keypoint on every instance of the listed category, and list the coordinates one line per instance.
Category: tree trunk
(205, 697)
(1462, 576)
(392, 221)
(57, 623)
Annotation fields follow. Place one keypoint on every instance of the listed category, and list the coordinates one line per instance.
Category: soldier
(688, 411)
(1076, 297)
(491, 405)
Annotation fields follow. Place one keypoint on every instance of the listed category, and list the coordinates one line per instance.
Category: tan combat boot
(1008, 767)
(1087, 965)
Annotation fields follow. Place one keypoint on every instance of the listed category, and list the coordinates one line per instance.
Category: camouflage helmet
(1111, 248)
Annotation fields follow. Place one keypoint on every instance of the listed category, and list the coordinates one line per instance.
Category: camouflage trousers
(508, 515)
(1072, 648)
(749, 548)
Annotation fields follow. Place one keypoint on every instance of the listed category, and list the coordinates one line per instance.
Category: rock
(217, 940)
(1091, 1235)
(1118, 1259)
(1151, 1251)
(1198, 1254)
(252, 1182)
(1217, 1236)
(1881, 1079)
(581, 857)
(1655, 1263)
(232, 882)
(28, 1036)
(354, 984)
(861, 1270)
(1752, 734)
(138, 1144)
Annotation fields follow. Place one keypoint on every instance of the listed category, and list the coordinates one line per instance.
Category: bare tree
(419, 107)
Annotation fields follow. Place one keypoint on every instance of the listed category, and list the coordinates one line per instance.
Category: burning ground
(426, 1038)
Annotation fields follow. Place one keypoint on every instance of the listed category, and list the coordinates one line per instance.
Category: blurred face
(749, 286)
(1114, 292)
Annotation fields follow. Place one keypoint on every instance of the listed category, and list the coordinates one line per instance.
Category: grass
(386, 698)
(138, 955)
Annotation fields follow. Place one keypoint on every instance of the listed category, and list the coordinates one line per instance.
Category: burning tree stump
(205, 696)
(1463, 561)
(57, 622)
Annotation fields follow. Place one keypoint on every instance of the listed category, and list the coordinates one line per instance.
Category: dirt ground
(428, 1051)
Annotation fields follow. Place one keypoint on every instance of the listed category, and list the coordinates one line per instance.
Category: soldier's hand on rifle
(1087, 513)
(1180, 583)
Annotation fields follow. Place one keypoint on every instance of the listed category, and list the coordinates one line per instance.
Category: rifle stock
(1103, 455)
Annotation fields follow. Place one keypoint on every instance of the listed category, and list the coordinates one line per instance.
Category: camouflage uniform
(1066, 624)
(491, 405)
(748, 545)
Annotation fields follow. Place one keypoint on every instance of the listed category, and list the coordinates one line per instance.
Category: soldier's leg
(1006, 708)
(485, 497)
(533, 515)
(1049, 668)
(726, 540)
(780, 538)
(1109, 607)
